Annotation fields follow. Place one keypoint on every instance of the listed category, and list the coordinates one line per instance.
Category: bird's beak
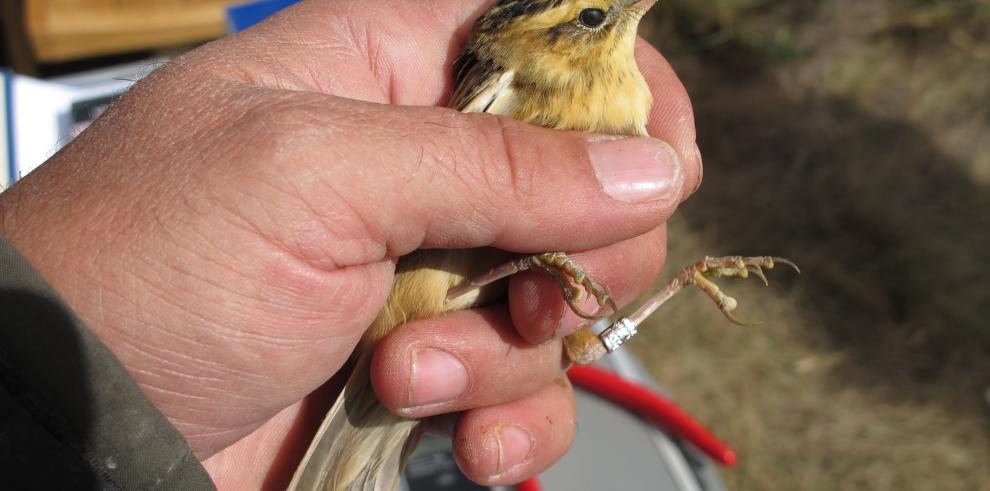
(639, 5)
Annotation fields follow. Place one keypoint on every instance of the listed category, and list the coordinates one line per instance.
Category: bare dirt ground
(852, 136)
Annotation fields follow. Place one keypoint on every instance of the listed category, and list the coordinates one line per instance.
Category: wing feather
(481, 86)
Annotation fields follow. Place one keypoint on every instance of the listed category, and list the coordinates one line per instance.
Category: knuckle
(503, 167)
(272, 125)
(470, 151)
(517, 171)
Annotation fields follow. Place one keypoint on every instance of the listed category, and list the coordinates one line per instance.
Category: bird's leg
(584, 346)
(574, 283)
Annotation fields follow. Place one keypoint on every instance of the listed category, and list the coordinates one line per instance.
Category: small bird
(562, 64)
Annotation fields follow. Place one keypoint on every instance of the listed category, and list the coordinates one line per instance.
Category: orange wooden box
(61, 30)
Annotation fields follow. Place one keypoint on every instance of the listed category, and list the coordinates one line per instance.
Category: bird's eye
(592, 17)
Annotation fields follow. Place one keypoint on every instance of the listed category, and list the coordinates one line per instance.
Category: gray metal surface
(615, 450)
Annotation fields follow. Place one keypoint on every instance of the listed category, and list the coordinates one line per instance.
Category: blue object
(8, 115)
(245, 15)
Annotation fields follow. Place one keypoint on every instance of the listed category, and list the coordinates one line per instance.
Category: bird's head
(569, 32)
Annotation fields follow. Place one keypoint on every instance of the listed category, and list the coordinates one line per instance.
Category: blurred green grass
(854, 138)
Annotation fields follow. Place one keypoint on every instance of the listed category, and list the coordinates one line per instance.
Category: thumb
(437, 178)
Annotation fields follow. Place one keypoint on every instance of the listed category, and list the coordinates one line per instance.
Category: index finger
(372, 50)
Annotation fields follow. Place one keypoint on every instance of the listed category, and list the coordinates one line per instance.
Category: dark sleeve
(70, 415)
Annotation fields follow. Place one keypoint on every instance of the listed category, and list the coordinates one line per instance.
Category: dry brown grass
(854, 137)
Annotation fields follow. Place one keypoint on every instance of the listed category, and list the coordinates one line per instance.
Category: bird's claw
(704, 271)
(574, 283)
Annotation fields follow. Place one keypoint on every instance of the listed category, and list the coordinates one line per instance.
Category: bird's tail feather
(367, 447)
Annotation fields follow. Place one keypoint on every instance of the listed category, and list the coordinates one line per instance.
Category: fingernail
(701, 168)
(436, 377)
(635, 170)
(514, 445)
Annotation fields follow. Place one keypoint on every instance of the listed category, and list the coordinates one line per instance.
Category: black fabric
(70, 415)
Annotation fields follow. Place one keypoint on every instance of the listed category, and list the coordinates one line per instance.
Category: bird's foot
(702, 273)
(575, 285)
(584, 346)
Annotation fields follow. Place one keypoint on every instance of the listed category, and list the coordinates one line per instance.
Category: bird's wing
(360, 446)
(481, 86)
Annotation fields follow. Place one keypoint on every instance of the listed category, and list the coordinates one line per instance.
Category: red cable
(531, 484)
(646, 402)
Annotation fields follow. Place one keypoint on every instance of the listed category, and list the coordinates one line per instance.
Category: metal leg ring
(618, 333)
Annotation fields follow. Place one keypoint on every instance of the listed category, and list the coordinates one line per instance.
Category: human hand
(230, 227)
